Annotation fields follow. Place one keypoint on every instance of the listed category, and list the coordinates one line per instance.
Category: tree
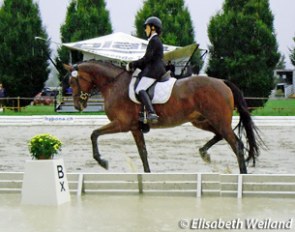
(85, 19)
(24, 63)
(244, 47)
(282, 63)
(292, 55)
(177, 24)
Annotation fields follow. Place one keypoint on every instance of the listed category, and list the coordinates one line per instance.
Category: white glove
(128, 69)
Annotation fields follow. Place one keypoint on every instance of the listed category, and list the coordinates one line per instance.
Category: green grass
(42, 110)
(280, 107)
(32, 110)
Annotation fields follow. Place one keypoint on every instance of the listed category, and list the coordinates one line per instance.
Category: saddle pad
(162, 94)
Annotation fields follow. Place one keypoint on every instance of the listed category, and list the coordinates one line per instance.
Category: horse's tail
(246, 123)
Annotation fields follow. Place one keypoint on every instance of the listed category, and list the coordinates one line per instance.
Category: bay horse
(207, 103)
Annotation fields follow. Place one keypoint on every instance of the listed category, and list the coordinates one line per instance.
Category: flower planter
(45, 183)
(44, 146)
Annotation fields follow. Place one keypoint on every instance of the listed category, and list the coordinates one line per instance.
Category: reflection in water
(139, 213)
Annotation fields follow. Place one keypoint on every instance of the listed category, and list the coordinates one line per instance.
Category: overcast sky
(122, 13)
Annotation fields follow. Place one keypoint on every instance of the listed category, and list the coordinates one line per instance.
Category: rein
(84, 95)
(115, 78)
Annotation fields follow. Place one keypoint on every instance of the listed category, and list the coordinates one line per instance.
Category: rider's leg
(151, 114)
(143, 85)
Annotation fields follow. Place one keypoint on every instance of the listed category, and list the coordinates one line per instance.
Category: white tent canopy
(120, 47)
(117, 46)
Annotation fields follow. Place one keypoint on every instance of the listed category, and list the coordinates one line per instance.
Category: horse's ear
(67, 67)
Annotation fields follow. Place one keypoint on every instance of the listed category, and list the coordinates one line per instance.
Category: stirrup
(152, 117)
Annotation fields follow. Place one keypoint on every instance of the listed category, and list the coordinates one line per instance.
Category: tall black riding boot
(151, 114)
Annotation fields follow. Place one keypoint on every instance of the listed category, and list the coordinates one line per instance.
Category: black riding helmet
(156, 22)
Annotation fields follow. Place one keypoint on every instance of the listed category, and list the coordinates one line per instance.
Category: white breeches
(144, 84)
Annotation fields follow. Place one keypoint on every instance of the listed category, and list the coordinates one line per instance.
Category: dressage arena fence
(191, 184)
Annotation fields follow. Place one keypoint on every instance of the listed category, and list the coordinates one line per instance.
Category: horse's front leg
(112, 127)
(140, 143)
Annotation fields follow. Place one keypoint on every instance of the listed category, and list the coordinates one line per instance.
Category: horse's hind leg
(140, 143)
(238, 148)
(227, 133)
(204, 125)
(241, 156)
(203, 150)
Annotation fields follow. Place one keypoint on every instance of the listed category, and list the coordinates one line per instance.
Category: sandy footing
(173, 150)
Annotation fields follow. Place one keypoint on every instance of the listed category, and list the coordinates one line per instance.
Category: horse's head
(81, 83)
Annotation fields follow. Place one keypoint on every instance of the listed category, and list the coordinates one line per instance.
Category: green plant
(44, 146)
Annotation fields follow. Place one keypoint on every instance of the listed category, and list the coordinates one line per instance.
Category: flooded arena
(148, 213)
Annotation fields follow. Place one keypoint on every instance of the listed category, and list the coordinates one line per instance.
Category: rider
(151, 65)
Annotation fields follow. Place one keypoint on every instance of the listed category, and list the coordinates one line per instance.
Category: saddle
(159, 92)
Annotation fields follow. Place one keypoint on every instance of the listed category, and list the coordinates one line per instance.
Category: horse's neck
(114, 80)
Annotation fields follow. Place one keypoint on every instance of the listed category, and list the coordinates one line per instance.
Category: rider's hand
(127, 68)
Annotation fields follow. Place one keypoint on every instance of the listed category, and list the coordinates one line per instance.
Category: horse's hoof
(205, 156)
(104, 163)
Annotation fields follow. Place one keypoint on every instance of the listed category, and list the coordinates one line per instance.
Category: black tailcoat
(151, 63)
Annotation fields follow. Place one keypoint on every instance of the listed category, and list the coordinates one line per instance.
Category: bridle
(83, 96)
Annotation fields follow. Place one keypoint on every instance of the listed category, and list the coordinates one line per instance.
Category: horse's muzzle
(80, 105)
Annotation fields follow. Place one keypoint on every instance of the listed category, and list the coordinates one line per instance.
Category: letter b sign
(61, 175)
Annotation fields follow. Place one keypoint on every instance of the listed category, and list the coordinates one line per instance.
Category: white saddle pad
(162, 93)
